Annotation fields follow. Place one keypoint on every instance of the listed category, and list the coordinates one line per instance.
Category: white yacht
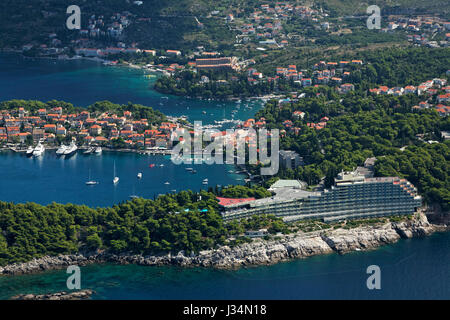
(61, 150)
(98, 150)
(71, 149)
(205, 181)
(139, 175)
(39, 150)
(29, 152)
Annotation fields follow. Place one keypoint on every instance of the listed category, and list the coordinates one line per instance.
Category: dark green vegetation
(400, 66)
(33, 106)
(426, 166)
(189, 85)
(357, 7)
(169, 223)
(387, 67)
(168, 23)
(363, 127)
(243, 192)
(172, 23)
(138, 111)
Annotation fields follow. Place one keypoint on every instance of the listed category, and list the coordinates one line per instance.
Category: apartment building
(352, 196)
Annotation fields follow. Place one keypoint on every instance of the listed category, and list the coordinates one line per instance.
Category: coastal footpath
(258, 252)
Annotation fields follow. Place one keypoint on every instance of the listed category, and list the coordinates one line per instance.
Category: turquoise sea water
(83, 82)
(410, 269)
(417, 268)
(49, 178)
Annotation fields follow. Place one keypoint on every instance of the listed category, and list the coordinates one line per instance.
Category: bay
(55, 179)
(410, 269)
(83, 82)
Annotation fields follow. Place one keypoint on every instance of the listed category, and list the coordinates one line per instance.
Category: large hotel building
(352, 196)
(225, 63)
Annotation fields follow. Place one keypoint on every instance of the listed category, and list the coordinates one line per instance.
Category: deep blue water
(416, 269)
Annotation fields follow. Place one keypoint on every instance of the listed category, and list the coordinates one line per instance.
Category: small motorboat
(139, 175)
(91, 182)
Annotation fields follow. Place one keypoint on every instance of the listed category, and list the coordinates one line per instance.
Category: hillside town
(429, 31)
(435, 93)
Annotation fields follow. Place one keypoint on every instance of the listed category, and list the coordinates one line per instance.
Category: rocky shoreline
(258, 252)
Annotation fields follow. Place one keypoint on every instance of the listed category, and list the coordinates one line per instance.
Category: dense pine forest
(186, 221)
(363, 127)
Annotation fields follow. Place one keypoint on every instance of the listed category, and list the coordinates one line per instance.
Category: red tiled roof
(229, 201)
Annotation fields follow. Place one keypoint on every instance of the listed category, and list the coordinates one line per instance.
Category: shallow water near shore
(410, 269)
(83, 82)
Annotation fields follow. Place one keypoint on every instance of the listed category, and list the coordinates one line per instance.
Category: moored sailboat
(91, 182)
(115, 179)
